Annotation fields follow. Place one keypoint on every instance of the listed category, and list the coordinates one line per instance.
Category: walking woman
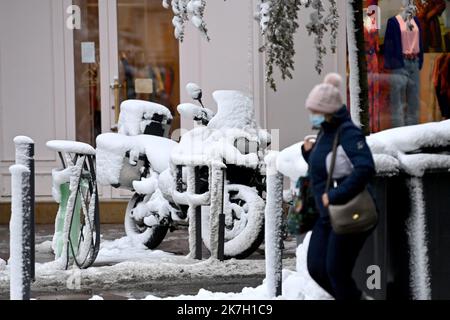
(331, 256)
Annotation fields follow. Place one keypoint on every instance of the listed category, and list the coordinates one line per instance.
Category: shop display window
(408, 59)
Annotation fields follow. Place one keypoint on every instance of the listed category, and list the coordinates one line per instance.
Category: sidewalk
(124, 271)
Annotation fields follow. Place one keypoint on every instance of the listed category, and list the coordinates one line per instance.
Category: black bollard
(20, 238)
(221, 242)
(25, 156)
(198, 218)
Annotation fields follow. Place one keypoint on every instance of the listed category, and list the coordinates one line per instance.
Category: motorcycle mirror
(194, 91)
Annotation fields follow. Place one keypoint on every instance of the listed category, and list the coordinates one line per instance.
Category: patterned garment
(372, 49)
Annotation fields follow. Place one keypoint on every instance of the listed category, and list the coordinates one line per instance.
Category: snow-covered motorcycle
(226, 148)
(133, 159)
(142, 159)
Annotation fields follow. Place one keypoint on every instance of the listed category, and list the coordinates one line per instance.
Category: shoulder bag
(359, 214)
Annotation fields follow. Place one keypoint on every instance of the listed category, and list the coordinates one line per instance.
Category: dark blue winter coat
(393, 48)
(354, 144)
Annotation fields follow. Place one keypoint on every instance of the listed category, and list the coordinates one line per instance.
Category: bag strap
(333, 160)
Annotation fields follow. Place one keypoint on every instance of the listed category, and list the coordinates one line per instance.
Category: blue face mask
(317, 120)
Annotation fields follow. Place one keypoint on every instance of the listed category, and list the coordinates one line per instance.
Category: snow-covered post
(417, 238)
(195, 214)
(216, 208)
(273, 226)
(25, 156)
(20, 238)
(221, 235)
(198, 219)
(359, 102)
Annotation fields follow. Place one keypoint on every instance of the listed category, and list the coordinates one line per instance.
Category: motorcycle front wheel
(151, 237)
(244, 222)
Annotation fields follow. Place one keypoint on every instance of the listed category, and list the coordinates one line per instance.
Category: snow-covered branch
(185, 11)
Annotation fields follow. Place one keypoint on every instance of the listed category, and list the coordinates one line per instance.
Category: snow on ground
(2, 264)
(123, 265)
(124, 249)
(296, 285)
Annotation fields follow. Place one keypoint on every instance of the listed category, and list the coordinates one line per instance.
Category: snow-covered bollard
(273, 226)
(216, 211)
(25, 156)
(20, 238)
(195, 215)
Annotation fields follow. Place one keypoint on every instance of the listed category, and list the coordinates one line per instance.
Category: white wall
(36, 84)
(232, 61)
(286, 107)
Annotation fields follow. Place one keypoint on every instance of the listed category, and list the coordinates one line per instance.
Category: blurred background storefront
(62, 83)
(391, 89)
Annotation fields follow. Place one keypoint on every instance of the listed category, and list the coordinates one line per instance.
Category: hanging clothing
(441, 81)
(428, 14)
(372, 49)
(410, 38)
(393, 45)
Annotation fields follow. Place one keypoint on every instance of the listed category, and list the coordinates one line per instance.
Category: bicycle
(77, 225)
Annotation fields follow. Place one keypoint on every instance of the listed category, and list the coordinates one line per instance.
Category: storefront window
(87, 73)
(408, 62)
(148, 53)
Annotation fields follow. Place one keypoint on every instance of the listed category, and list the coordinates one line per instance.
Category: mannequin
(404, 57)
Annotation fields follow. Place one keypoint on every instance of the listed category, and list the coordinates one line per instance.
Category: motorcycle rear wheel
(151, 237)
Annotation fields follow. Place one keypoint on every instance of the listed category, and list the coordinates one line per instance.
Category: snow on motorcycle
(141, 158)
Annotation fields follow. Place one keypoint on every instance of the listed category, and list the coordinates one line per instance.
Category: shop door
(139, 59)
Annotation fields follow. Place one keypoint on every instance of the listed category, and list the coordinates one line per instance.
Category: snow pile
(296, 286)
(220, 141)
(204, 146)
(235, 110)
(44, 247)
(412, 138)
(290, 162)
(392, 148)
(71, 147)
(111, 150)
(2, 264)
(125, 249)
(136, 115)
(391, 151)
(417, 164)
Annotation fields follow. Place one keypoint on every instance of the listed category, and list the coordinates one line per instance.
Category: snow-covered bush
(278, 20)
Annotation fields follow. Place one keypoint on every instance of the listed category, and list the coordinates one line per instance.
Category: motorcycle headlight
(246, 146)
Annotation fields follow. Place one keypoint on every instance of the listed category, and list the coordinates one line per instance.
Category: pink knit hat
(326, 97)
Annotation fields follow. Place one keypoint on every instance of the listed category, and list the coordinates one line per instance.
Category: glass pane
(148, 53)
(404, 88)
(87, 73)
